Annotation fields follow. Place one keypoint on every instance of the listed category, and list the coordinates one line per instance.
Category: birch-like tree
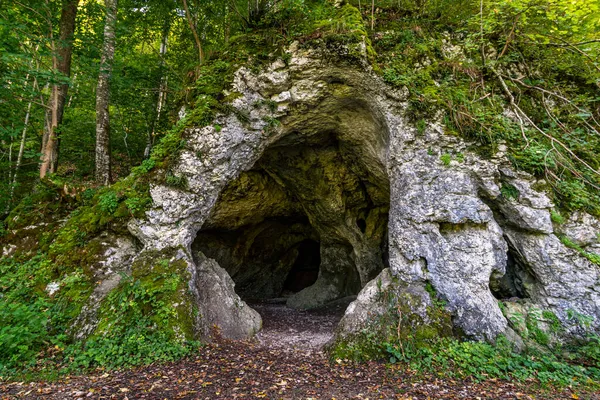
(103, 161)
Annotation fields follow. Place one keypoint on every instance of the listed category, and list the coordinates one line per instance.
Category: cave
(517, 279)
(308, 222)
(305, 270)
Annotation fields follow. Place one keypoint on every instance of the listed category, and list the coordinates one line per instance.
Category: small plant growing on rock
(109, 202)
(421, 125)
(509, 192)
(556, 217)
(175, 181)
(446, 158)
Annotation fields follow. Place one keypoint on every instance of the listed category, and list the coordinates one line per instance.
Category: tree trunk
(162, 91)
(372, 14)
(61, 62)
(19, 157)
(194, 32)
(103, 95)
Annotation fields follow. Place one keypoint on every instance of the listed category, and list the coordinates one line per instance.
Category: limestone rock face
(114, 257)
(391, 209)
(221, 306)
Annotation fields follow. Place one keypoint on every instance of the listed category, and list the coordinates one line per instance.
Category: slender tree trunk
(76, 85)
(9, 172)
(194, 32)
(46, 117)
(372, 14)
(61, 63)
(162, 91)
(103, 96)
(19, 157)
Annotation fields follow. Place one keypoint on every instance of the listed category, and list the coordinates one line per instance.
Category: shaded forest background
(170, 52)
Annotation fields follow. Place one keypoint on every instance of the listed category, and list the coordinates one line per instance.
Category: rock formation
(325, 178)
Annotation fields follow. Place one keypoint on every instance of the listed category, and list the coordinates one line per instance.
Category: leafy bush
(26, 312)
(109, 202)
(34, 321)
(481, 361)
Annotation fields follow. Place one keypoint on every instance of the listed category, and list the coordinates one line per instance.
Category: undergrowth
(481, 361)
(37, 307)
(437, 56)
(400, 337)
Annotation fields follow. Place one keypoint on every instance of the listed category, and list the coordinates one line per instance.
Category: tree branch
(518, 110)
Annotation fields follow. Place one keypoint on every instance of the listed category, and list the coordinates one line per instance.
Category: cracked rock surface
(345, 170)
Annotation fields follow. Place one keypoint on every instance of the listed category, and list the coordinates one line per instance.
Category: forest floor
(285, 362)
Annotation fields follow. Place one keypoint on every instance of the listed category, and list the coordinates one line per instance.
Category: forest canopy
(540, 56)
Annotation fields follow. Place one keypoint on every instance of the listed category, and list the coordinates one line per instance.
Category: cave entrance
(308, 222)
(517, 279)
(305, 270)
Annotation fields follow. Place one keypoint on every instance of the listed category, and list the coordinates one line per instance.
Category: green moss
(345, 35)
(556, 217)
(509, 191)
(165, 277)
(592, 257)
(535, 332)
(398, 327)
(446, 159)
(176, 181)
(148, 317)
(552, 319)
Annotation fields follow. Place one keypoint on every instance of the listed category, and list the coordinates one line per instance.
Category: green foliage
(145, 167)
(592, 257)
(481, 361)
(33, 323)
(573, 195)
(399, 325)
(556, 217)
(108, 202)
(401, 337)
(137, 205)
(138, 321)
(176, 181)
(509, 191)
(24, 313)
(132, 328)
(133, 346)
(590, 350)
(555, 324)
(434, 49)
(446, 159)
(535, 332)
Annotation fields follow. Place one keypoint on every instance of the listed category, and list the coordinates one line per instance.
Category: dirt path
(284, 363)
(298, 331)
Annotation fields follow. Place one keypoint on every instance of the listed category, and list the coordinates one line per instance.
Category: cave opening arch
(308, 222)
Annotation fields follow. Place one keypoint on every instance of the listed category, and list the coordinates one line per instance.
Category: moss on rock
(401, 325)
